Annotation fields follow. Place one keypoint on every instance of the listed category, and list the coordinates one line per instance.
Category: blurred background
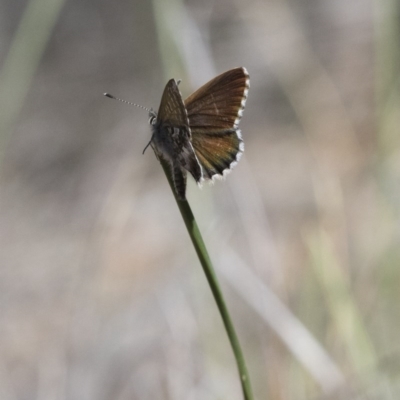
(101, 294)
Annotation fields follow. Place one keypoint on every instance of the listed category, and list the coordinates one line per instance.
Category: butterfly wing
(172, 109)
(171, 138)
(214, 112)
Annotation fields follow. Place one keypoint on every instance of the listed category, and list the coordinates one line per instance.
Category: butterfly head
(152, 117)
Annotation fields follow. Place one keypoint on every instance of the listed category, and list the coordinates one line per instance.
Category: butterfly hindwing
(217, 152)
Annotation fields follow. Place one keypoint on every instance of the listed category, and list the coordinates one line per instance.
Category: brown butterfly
(200, 134)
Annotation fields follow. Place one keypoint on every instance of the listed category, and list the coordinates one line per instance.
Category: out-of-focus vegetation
(101, 295)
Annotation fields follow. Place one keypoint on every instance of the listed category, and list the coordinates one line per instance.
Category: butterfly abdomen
(173, 144)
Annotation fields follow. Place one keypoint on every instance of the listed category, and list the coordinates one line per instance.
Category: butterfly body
(200, 135)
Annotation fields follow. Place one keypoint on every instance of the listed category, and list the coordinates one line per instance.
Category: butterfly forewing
(172, 109)
(219, 103)
(214, 113)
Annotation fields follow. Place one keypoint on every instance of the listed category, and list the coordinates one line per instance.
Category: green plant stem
(205, 261)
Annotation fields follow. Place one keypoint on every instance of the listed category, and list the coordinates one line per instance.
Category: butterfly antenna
(127, 102)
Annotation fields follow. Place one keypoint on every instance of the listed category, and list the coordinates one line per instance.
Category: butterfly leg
(148, 144)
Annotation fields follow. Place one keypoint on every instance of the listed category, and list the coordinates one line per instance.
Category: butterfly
(200, 135)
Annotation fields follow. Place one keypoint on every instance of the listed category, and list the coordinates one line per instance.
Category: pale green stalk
(202, 253)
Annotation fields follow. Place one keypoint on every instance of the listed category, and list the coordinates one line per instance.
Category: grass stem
(211, 276)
